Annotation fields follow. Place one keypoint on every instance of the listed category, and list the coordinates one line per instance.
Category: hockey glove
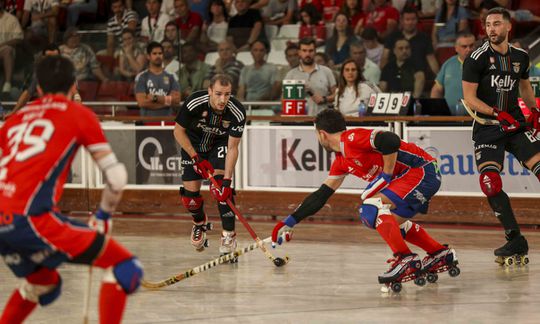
(101, 221)
(508, 123)
(283, 231)
(225, 192)
(202, 166)
(378, 184)
(534, 120)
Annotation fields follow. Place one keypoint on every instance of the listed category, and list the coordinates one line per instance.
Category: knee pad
(490, 181)
(192, 200)
(370, 210)
(43, 286)
(127, 274)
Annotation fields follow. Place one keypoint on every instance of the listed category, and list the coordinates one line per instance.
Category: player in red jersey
(38, 144)
(402, 177)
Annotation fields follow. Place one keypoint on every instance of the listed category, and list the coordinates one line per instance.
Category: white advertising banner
(453, 148)
(288, 158)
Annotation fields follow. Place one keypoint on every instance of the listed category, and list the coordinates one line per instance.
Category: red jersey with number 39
(359, 156)
(38, 144)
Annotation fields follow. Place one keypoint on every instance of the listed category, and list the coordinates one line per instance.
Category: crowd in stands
(360, 46)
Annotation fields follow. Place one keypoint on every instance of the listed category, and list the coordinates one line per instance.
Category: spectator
(214, 31)
(311, 25)
(450, 19)
(448, 81)
(192, 71)
(86, 65)
(422, 53)
(400, 74)
(122, 19)
(374, 49)
(352, 89)
(291, 56)
(170, 61)
(131, 56)
(338, 46)
(279, 12)
(44, 14)
(370, 70)
(325, 60)
(315, 3)
(167, 8)
(353, 10)
(383, 17)
(200, 7)
(258, 82)
(156, 90)
(189, 23)
(320, 81)
(153, 25)
(226, 64)
(330, 9)
(14, 7)
(10, 34)
(76, 7)
(246, 27)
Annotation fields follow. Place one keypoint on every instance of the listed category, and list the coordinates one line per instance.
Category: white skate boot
(228, 244)
(198, 235)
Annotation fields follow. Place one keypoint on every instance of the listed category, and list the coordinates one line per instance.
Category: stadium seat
(271, 32)
(245, 57)
(113, 91)
(277, 57)
(87, 90)
(426, 25)
(108, 64)
(289, 31)
(444, 53)
(211, 58)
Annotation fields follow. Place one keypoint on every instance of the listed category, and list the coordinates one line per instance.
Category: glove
(534, 120)
(225, 192)
(378, 184)
(508, 123)
(101, 221)
(202, 166)
(283, 231)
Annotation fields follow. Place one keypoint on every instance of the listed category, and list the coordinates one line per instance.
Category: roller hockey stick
(486, 121)
(208, 265)
(87, 296)
(278, 262)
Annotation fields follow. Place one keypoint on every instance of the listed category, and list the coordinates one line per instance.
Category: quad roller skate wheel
(209, 226)
(509, 261)
(420, 281)
(454, 272)
(396, 287)
(432, 277)
(524, 260)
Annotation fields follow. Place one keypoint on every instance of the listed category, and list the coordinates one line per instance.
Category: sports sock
(419, 237)
(112, 301)
(227, 216)
(536, 169)
(17, 309)
(388, 228)
(500, 204)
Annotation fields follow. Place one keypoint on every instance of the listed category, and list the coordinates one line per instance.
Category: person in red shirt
(402, 179)
(384, 18)
(189, 23)
(38, 144)
(311, 24)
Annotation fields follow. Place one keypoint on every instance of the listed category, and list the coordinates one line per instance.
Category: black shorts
(216, 157)
(522, 145)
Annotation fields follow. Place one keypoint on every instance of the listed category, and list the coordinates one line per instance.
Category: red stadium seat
(108, 64)
(426, 25)
(87, 90)
(113, 91)
(444, 53)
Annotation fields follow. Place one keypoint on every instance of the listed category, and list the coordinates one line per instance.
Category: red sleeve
(320, 31)
(91, 134)
(197, 20)
(359, 139)
(20, 5)
(393, 13)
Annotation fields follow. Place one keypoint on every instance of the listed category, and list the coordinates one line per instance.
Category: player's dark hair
(55, 74)
(499, 11)
(330, 121)
(151, 47)
(223, 79)
(307, 41)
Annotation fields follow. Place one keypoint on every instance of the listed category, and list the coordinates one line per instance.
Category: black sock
(227, 216)
(500, 204)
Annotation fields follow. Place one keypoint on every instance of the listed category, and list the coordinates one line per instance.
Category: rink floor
(331, 278)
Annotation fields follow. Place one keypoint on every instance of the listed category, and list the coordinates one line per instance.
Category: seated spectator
(330, 9)
(82, 56)
(227, 64)
(246, 27)
(153, 25)
(422, 53)
(44, 14)
(172, 35)
(450, 19)
(400, 74)
(214, 31)
(291, 56)
(10, 34)
(353, 10)
(325, 60)
(311, 25)
(189, 23)
(383, 17)
(316, 3)
(200, 7)
(170, 61)
(76, 7)
(370, 70)
(258, 82)
(352, 89)
(279, 12)
(338, 46)
(122, 19)
(131, 56)
(448, 82)
(374, 49)
(425, 8)
(192, 71)
(14, 7)
(156, 90)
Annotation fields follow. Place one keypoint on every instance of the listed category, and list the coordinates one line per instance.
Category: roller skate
(513, 252)
(403, 268)
(228, 244)
(440, 261)
(198, 235)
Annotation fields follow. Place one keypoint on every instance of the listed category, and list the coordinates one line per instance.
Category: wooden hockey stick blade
(203, 267)
(480, 120)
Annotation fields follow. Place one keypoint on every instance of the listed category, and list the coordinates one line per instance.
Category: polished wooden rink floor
(331, 278)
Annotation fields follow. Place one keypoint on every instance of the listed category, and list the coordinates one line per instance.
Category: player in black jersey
(493, 77)
(209, 127)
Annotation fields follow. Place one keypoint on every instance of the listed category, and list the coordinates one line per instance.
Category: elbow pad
(115, 172)
(387, 142)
